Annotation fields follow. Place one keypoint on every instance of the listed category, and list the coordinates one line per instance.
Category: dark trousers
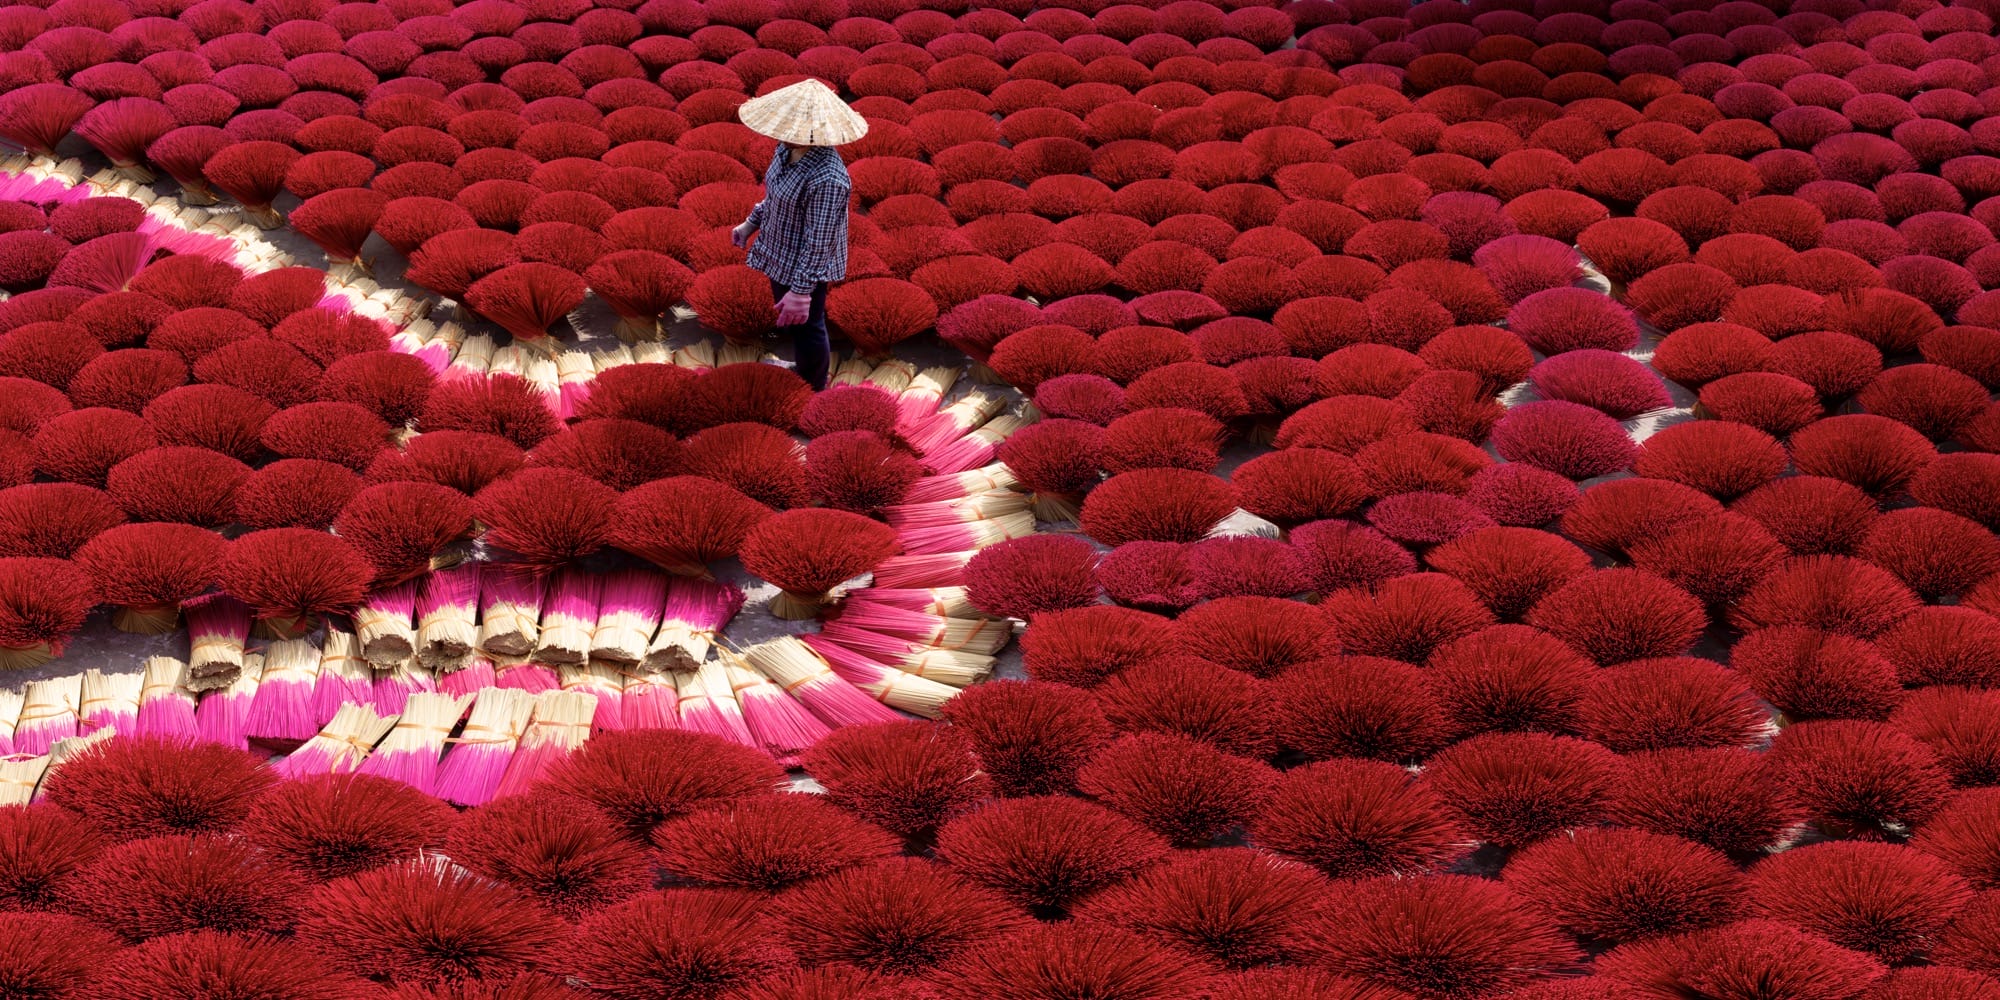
(810, 349)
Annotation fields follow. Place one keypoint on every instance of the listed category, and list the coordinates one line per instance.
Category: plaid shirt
(802, 221)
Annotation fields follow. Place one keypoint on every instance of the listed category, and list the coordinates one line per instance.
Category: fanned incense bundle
(48, 713)
(166, 702)
(782, 727)
(385, 624)
(561, 723)
(628, 614)
(919, 400)
(410, 752)
(976, 448)
(650, 701)
(341, 745)
(10, 714)
(954, 485)
(601, 681)
(222, 713)
(473, 767)
(804, 675)
(19, 777)
(393, 687)
(448, 618)
(510, 610)
(886, 684)
(523, 674)
(954, 421)
(936, 569)
(568, 619)
(696, 612)
(711, 710)
(217, 627)
(282, 708)
(344, 677)
(66, 750)
(109, 701)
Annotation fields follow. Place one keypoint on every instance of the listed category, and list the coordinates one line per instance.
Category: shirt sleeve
(824, 209)
(756, 219)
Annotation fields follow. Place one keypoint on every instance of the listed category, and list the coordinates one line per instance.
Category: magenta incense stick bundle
(10, 715)
(48, 713)
(882, 682)
(448, 618)
(628, 615)
(650, 700)
(476, 675)
(344, 677)
(953, 485)
(386, 625)
(918, 402)
(217, 625)
(782, 727)
(602, 682)
(223, 713)
(510, 610)
(569, 616)
(166, 702)
(560, 724)
(410, 752)
(965, 536)
(952, 422)
(109, 701)
(283, 708)
(394, 686)
(938, 569)
(944, 602)
(341, 745)
(983, 636)
(804, 674)
(696, 613)
(976, 448)
(477, 757)
(983, 506)
(711, 710)
(523, 674)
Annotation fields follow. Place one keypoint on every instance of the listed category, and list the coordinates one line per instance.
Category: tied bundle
(780, 725)
(977, 447)
(166, 701)
(696, 612)
(953, 651)
(954, 485)
(524, 674)
(109, 701)
(510, 611)
(561, 723)
(708, 706)
(919, 400)
(344, 676)
(931, 569)
(282, 708)
(224, 713)
(383, 623)
(341, 745)
(477, 760)
(10, 714)
(411, 751)
(602, 682)
(20, 775)
(628, 615)
(649, 701)
(447, 618)
(568, 619)
(963, 525)
(943, 602)
(218, 625)
(803, 674)
(884, 683)
(394, 686)
(48, 713)
(67, 750)
(953, 422)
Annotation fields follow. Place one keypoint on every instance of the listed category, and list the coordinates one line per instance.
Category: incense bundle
(601, 681)
(628, 614)
(218, 625)
(48, 713)
(448, 618)
(109, 701)
(650, 701)
(222, 714)
(804, 675)
(954, 421)
(478, 757)
(166, 702)
(385, 624)
(19, 777)
(966, 536)
(983, 506)
(884, 683)
(919, 399)
(560, 724)
(982, 636)
(394, 686)
(781, 726)
(10, 714)
(951, 486)
(510, 609)
(282, 708)
(696, 612)
(523, 674)
(892, 376)
(341, 745)
(850, 370)
(934, 569)
(410, 752)
(568, 619)
(475, 676)
(698, 356)
(655, 352)
(344, 677)
(711, 710)
(65, 750)
(542, 373)
(575, 371)
(976, 448)
(471, 360)
(944, 602)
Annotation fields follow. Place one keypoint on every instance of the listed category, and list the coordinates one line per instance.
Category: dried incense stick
(478, 756)
(696, 612)
(19, 776)
(10, 713)
(601, 681)
(222, 713)
(944, 602)
(166, 702)
(282, 708)
(568, 619)
(109, 701)
(649, 701)
(561, 723)
(344, 677)
(385, 624)
(983, 506)
(411, 751)
(803, 674)
(510, 603)
(702, 711)
(628, 614)
(781, 725)
(954, 485)
(523, 674)
(341, 745)
(447, 618)
(218, 625)
(886, 684)
(48, 713)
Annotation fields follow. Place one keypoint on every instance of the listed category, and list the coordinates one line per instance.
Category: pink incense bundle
(696, 612)
(474, 677)
(341, 745)
(217, 625)
(650, 701)
(410, 752)
(448, 618)
(283, 709)
(953, 422)
(523, 674)
(956, 667)
(569, 616)
(344, 677)
(966, 536)
(477, 760)
(222, 714)
(10, 714)
(882, 682)
(48, 713)
(575, 371)
(109, 701)
(784, 728)
(20, 776)
(953, 485)
(561, 724)
(385, 624)
(711, 708)
(976, 448)
(937, 569)
(628, 614)
(166, 702)
(805, 675)
(601, 681)
(964, 510)
(944, 602)
(510, 610)
(393, 687)
(918, 402)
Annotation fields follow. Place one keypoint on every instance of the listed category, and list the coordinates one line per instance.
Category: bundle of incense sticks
(410, 752)
(476, 675)
(711, 710)
(510, 609)
(698, 356)
(282, 708)
(952, 485)
(385, 624)
(956, 667)
(944, 602)
(607, 358)
(341, 745)
(344, 677)
(48, 713)
(448, 618)
(628, 614)
(658, 353)
(733, 352)
(602, 682)
(523, 674)
(569, 616)
(478, 756)
(884, 683)
(696, 612)
(66, 750)
(217, 625)
(851, 369)
(109, 701)
(984, 506)
(976, 448)
(440, 348)
(782, 727)
(965, 536)
(542, 373)
(982, 635)
(166, 702)
(474, 355)
(394, 686)
(20, 775)
(936, 569)
(223, 713)
(954, 421)
(919, 400)
(891, 376)
(650, 700)
(575, 370)
(561, 723)
(10, 714)
(805, 675)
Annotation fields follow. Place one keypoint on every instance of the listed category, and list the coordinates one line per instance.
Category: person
(801, 225)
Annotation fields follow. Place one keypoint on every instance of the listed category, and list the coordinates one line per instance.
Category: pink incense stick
(110, 701)
(941, 569)
(48, 714)
(561, 723)
(510, 609)
(386, 624)
(601, 681)
(411, 751)
(393, 687)
(475, 676)
(575, 371)
(448, 617)
(650, 701)
(344, 677)
(223, 714)
(782, 726)
(523, 674)
(803, 673)
(282, 708)
(696, 612)
(166, 703)
(702, 710)
(952, 486)
(628, 614)
(569, 618)
(477, 759)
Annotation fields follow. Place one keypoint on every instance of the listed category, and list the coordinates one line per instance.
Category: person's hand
(793, 308)
(741, 235)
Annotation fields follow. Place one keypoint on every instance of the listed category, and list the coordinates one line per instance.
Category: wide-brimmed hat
(807, 113)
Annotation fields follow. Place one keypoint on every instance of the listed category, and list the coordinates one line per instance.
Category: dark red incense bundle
(680, 942)
(685, 522)
(770, 843)
(183, 154)
(171, 884)
(290, 577)
(402, 528)
(640, 286)
(573, 861)
(392, 385)
(807, 553)
(450, 262)
(141, 787)
(123, 128)
(642, 778)
(423, 922)
(622, 454)
(182, 965)
(339, 222)
(526, 298)
(294, 493)
(858, 471)
(1047, 852)
(409, 222)
(907, 777)
(253, 173)
(42, 603)
(547, 516)
(38, 116)
(53, 520)
(506, 405)
(343, 433)
(330, 826)
(145, 571)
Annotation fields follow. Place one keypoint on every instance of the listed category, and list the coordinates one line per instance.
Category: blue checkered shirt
(802, 222)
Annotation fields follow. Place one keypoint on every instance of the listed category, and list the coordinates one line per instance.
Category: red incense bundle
(385, 624)
(965, 536)
(975, 448)
(410, 752)
(953, 422)
(602, 682)
(650, 701)
(341, 745)
(475, 676)
(696, 612)
(344, 677)
(222, 713)
(884, 683)
(10, 713)
(523, 674)
(951, 486)
(109, 701)
(804, 674)
(561, 723)
(628, 614)
(782, 727)
(283, 708)
(569, 616)
(394, 687)
(937, 569)
(48, 713)
(477, 760)
(918, 402)
(510, 609)
(448, 618)
(217, 627)
(166, 702)
(712, 710)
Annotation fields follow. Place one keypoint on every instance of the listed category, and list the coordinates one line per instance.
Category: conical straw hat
(807, 113)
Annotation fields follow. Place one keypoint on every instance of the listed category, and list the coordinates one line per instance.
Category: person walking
(801, 225)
